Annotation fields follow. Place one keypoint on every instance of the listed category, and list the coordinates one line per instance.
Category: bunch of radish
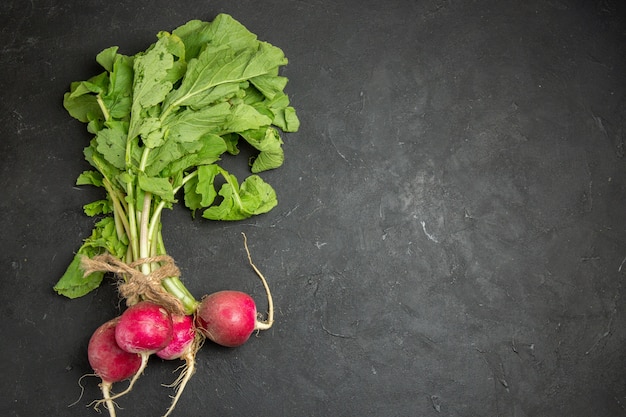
(120, 348)
(160, 121)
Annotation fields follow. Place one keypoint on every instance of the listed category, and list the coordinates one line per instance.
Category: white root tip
(142, 367)
(261, 324)
(188, 370)
(105, 387)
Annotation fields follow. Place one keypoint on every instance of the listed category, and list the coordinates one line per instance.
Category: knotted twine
(134, 285)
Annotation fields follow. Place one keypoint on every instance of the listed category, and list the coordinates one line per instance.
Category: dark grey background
(450, 238)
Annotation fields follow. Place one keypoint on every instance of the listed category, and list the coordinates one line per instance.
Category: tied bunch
(160, 121)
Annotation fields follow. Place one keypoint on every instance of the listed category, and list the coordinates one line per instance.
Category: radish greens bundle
(160, 121)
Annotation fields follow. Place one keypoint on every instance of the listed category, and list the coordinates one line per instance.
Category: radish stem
(144, 241)
(132, 222)
(103, 108)
(121, 224)
(175, 287)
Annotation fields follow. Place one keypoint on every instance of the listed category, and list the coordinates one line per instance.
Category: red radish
(144, 328)
(183, 334)
(228, 318)
(109, 361)
(184, 345)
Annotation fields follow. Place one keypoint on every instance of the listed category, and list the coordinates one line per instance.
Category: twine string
(134, 285)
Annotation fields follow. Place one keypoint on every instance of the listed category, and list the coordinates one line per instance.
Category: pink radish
(109, 361)
(144, 328)
(183, 334)
(184, 345)
(228, 318)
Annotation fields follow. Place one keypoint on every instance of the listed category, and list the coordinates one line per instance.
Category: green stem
(144, 159)
(154, 245)
(133, 238)
(151, 243)
(174, 286)
(129, 255)
(155, 221)
(160, 243)
(119, 213)
(103, 108)
(144, 238)
(185, 179)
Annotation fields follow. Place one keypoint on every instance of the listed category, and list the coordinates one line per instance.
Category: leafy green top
(161, 120)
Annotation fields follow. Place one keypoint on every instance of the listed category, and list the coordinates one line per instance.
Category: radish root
(105, 387)
(265, 324)
(106, 398)
(82, 389)
(189, 368)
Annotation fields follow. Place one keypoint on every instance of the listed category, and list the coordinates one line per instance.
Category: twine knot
(134, 285)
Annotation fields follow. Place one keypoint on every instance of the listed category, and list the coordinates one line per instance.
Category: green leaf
(175, 46)
(225, 30)
(151, 132)
(195, 36)
(94, 85)
(163, 118)
(254, 197)
(291, 121)
(151, 84)
(104, 238)
(189, 126)
(106, 58)
(229, 208)
(90, 178)
(84, 108)
(100, 163)
(269, 85)
(218, 64)
(111, 143)
(211, 147)
(73, 285)
(174, 157)
(215, 95)
(162, 157)
(151, 69)
(157, 186)
(282, 115)
(269, 143)
(205, 187)
(117, 99)
(98, 207)
(245, 117)
(192, 197)
(257, 196)
(125, 179)
(231, 140)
